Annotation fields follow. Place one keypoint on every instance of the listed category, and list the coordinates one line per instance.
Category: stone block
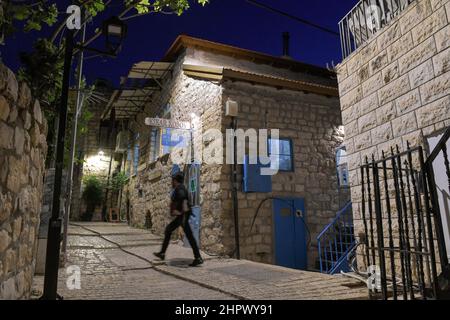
(341, 71)
(442, 38)
(408, 102)
(441, 62)
(436, 4)
(421, 74)
(404, 124)
(362, 141)
(8, 290)
(17, 228)
(436, 88)
(7, 136)
(368, 153)
(19, 140)
(4, 108)
(381, 133)
(417, 55)
(13, 115)
(12, 87)
(379, 62)
(389, 35)
(24, 98)
(354, 160)
(367, 122)
(434, 112)
(386, 146)
(400, 47)
(348, 84)
(429, 26)
(368, 104)
(368, 52)
(394, 89)
(372, 84)
(390, 73)
(37, 113)
(418, 12)
(26, 117)
(5, 240)
(351, 129)
(351, 113)
(386, 113)
(363, 73)
(351, 98)
(412, 139)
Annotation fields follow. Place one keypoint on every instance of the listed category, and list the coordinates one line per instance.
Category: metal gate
(403, 235)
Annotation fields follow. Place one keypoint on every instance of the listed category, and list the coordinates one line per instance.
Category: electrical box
(232, 108)
(254, 181)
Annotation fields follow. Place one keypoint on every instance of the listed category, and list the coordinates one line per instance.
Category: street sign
(167, 123)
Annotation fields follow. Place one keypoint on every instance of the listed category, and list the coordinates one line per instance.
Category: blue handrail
(336, 240)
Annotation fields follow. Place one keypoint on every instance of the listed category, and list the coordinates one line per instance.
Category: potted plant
(92, 195)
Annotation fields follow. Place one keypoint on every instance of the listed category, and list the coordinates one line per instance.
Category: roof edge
(185, 41)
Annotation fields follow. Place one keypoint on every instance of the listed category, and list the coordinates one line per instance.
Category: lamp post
(115, 31)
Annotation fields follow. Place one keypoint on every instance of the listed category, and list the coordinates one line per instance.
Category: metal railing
(402, 222)
(366, 19)
(336, 240)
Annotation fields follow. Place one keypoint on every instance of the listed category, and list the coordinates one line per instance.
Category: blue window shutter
(253, 180)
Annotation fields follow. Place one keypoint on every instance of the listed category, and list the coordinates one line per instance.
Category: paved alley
(116, 262)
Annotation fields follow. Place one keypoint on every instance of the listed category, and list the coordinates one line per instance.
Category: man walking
(179, 208)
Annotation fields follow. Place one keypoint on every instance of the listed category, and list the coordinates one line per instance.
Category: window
(284, 155)
(342, 167)
(136, 154)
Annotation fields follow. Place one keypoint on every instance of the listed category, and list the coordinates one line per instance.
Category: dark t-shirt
(179, 194)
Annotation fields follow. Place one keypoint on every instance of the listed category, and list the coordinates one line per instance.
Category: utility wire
(309, 23)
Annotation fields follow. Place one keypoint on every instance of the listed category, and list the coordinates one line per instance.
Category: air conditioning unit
(122, 141)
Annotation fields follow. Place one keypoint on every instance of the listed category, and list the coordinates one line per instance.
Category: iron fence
(402, 225)
(366, 19)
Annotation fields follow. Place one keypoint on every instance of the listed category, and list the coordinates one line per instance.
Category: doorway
(290, 233)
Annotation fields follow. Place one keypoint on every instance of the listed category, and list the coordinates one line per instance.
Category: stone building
(395, 89)
(198, 77)
(23, 148)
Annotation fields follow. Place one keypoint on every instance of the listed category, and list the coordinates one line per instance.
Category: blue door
(290, 233)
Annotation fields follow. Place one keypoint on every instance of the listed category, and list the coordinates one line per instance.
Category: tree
(33, 14)
(92, 194)
(42, 67)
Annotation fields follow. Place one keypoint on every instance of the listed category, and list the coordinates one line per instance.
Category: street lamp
(115, 32)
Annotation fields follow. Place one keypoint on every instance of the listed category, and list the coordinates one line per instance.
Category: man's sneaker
(196, 262)
(160, 255)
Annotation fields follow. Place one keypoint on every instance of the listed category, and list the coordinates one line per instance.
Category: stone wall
(313, 123)
(22, 152)
(396, 88)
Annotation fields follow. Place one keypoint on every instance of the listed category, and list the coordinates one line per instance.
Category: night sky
(234, 22)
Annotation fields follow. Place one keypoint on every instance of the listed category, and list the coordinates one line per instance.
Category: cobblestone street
(108, 272)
